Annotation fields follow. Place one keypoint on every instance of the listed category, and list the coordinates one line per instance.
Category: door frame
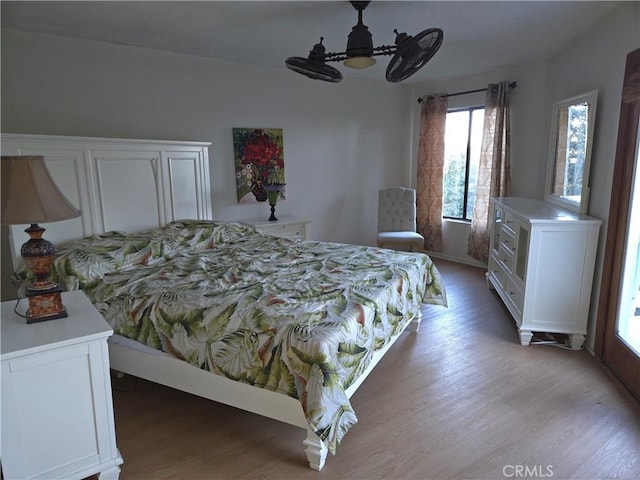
(614, 353)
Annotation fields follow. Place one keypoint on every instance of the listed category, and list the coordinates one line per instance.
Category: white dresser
(57, 409)
(286, 226)
(541, 264)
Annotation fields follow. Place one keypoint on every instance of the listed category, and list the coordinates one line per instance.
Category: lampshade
(29, 194)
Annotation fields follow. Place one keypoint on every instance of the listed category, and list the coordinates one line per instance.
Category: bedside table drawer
(293, 231)
(294, 228)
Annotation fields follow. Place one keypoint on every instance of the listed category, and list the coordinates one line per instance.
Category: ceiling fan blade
(313, 69)
(413, 53)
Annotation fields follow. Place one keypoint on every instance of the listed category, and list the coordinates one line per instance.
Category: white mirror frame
(577, 205)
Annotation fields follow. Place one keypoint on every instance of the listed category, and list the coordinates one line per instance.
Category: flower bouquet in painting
(259, 164)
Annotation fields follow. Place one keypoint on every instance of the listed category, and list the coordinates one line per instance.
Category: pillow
(193, 235)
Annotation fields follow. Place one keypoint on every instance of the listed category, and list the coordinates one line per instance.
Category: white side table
(286, 226)
(57, 408)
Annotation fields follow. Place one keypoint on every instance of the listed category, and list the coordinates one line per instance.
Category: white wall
(342, 141)
(528, 136)
(596, 61)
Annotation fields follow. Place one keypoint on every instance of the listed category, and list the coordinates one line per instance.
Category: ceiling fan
(410, 54)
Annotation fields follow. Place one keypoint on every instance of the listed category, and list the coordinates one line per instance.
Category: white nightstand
(287, 226)
(57, 408)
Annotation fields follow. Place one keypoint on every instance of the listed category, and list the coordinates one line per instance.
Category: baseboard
(625, 390)
(466, 261)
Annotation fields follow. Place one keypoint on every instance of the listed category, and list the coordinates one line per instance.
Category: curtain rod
(511, 85)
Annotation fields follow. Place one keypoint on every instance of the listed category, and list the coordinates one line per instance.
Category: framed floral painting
(259, 160)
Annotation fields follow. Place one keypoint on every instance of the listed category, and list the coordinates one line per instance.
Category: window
(463, 138)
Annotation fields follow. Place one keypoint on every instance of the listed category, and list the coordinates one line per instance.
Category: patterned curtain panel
(433, 120)
(494, 175)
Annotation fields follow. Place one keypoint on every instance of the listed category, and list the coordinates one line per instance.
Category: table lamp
(29, 195)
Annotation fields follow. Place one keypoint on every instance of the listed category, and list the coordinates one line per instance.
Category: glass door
(628, 321)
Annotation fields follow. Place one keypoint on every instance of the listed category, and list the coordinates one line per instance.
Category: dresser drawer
(516, 297)
(505, 255)
(511, 294)
(497, 272)
(509, 223)
(508, 238)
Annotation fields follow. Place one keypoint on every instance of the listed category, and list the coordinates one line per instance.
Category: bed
(286, 329)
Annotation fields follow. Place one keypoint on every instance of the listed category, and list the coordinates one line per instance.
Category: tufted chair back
(397, 210)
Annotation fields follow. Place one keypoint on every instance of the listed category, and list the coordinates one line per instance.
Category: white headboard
(118, 184)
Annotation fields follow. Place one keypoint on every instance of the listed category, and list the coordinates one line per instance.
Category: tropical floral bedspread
(302, 318)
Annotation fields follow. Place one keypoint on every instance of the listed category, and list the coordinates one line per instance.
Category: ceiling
(478, 36)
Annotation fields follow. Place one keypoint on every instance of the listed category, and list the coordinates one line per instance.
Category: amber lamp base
(45, 306)
(45, 300)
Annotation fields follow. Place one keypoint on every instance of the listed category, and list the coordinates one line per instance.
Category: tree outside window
(463, 140)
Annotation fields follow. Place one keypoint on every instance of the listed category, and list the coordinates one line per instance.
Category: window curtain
(494, 175)
(430, 171)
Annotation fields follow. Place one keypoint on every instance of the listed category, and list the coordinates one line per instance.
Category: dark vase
(273, 218)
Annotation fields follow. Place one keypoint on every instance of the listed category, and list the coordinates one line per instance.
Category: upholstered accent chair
(397, 220)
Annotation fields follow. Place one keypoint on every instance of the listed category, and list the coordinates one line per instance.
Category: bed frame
(183, 376)
(166, 181)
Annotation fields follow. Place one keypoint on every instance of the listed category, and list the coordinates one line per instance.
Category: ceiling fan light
(359, 62)
(360, 48)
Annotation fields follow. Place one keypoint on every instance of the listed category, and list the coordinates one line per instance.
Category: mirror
(570, 142)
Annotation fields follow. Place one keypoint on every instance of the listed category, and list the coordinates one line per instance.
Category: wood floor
(461, 399)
